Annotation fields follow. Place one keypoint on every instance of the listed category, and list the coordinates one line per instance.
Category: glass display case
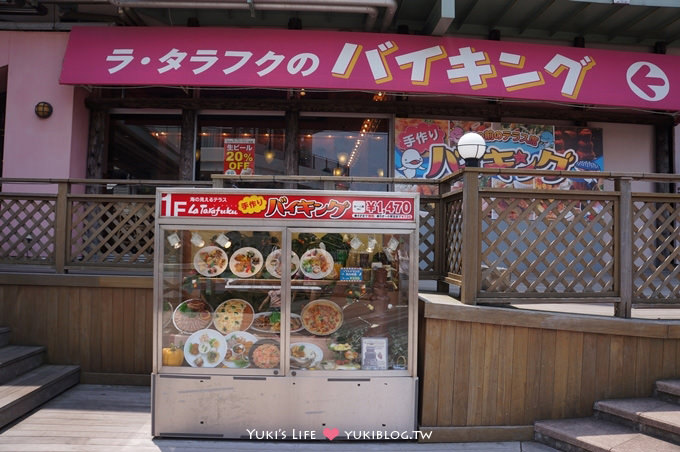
(297, 309)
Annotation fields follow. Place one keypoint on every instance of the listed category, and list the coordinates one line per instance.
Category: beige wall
(628, 148)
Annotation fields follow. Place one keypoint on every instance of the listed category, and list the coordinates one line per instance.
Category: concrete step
(647, 415)
(668, 390)
(5, 333)
(530, 446)
(30, 390)
(597, 435)
(17, 359)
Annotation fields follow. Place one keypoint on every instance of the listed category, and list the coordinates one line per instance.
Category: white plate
(273, 263)
(316, 263)
(189, 320)
(267, 314)
(222, 314)
(310, 322)
(311, 351)
(209, 341)
(246, 262)
(210, 261)
(236, 358)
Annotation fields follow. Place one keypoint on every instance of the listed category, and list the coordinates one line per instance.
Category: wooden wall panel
(108, 331)
(461, 380)
(445, 377)
(505, 374)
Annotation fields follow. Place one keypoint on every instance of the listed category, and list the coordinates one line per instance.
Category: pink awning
(327, 60)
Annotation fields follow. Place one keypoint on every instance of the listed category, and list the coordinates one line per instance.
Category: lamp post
(471, 148)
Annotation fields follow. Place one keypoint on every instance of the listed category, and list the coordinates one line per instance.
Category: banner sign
(288, 206)
(239, 156)
(175, 56)
(426, 149)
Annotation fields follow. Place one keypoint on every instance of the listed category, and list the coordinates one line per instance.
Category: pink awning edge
(327, 60)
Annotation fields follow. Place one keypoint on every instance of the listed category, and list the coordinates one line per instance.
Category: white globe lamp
(471, 147)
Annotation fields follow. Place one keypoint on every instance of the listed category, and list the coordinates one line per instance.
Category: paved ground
(97, 418)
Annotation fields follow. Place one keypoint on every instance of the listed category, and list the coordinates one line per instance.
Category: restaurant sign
(277, 58)
(305, 206)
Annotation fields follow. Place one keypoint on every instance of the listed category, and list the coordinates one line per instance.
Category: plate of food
(246, 262)
(205, 348)
(321, 317)
(316, 263)
(192, 315)
(233, 315)
(274, 262)
(304, 355)
(265, 354)
(239, 344)
(270, 322)
(210, 261)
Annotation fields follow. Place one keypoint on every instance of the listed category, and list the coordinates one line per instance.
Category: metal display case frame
(284, 402)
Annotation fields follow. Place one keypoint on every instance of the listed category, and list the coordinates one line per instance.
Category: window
(217, 133)
(144, 147)
(345, 146)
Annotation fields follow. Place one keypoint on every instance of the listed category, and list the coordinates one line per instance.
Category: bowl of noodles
(265, 354)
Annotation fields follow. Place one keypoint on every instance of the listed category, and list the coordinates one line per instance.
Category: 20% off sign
(239, 156)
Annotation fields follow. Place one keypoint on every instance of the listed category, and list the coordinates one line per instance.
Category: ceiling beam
(561, 21)
(543, 111)
(533, 16)
(493, 23)
(440, 18)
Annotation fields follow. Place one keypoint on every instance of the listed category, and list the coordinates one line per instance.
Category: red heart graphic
(331, 433)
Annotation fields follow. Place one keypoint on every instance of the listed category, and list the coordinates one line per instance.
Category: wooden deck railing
(513, 245)
(500, 245)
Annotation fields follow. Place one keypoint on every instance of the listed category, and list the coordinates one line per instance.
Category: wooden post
(291, 154)
(471, 237)
(440, 253)
(62, 238)
(625, 248)
(187, 147)
(97, 148)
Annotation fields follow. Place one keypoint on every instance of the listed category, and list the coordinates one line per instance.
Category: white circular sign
(647, 81)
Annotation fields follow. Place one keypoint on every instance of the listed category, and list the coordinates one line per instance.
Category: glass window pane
(351, 294)
(144, 147)
(217, 134)
(220, 306)
(341, 146)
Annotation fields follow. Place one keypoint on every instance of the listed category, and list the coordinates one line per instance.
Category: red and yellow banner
(288, 206)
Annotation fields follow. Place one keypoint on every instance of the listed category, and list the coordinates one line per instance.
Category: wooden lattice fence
(27, 231)
(656, 249)
(531, 245)
(112, 233)
(498, 245)
(546, 244)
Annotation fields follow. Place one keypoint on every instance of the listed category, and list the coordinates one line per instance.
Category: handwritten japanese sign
(289, 207)
(369, 61)
(239, 156)
(426, 149)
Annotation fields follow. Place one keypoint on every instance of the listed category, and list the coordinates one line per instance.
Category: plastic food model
(173, 355)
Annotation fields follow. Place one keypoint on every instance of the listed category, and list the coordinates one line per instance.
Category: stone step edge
(49, 380)
(549, 432)
(5, 334)
(668, 390)
(26, 351)
(623, 411)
